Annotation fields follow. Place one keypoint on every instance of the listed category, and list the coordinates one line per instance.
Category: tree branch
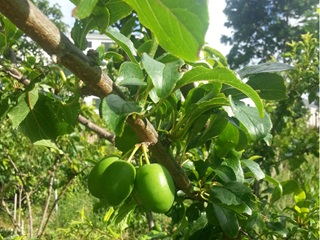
(30, 214)
(63, 191)
(50, 188)
(15, 224)
(97, 129)
(37, 26)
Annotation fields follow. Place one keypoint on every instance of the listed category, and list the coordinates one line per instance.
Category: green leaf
(124, 42)
(290, 186)
(264, 68)
(118, 9)
(235, 164)
(80, 30)
(149, 47)
(49, 118)
(208, 102)
(240, 190)
(31, 60)
(214, 56)
(3, 43)
(120, 106)
(225, 173)
(101, 17)
(127, 140)
(9, 28)
(108, 214)
(244, 195)
(19, 112)
(257, 127)
(114, 121)
(270, 86)
(163, 76)
(227, 220)
(254, 168)
(114, 56)
(227, 140)
(215, 125)
(26, 102)
(124, 210)
(220, 75)
(114, 110)
(276, 194)
(271, 180)
(179, 26)
(49, 144)
(202, 93)
(197, 226)
(300, 196)
(223, 195)
(39, 123)
(85, 8)
(130, 74)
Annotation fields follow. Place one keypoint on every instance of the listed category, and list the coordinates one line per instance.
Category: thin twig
(15, 224)
(52, 174)
(30, 215)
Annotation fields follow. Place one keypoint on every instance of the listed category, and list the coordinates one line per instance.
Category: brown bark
(37, 26)
(95, 128)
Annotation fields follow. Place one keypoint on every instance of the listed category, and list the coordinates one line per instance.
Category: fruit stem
(204, 195)
(144, 150)
(136, 147)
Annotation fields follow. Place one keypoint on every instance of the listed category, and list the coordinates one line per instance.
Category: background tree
(260, 29)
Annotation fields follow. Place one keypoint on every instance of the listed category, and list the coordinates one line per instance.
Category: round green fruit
(154, 188)
(118, 182)
(94, 179)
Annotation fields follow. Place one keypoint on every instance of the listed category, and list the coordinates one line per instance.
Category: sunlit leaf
(124, 42)
(254, 168)
(80, 30)
(118, 9)
(163, 76)
(49, 144)
(130, 74)
(257, 127)
(179, 26)
(220, 75)
(3, 42)
(85, 8)
(114, 110)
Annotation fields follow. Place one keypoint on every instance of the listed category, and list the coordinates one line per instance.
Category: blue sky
(216, 27)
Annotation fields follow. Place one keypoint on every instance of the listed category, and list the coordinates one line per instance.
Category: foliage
(293, 150)
(262, 28)
(190, 97)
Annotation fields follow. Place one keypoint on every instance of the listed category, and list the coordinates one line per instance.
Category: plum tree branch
(36, 25)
